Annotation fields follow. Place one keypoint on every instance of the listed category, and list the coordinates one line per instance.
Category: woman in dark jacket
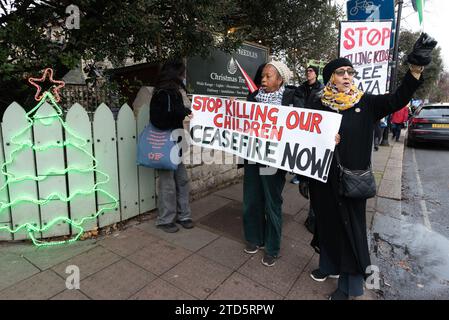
(167, 111)
(262, 186)
(340, 235)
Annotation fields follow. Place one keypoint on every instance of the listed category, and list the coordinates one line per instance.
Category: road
(413, 252)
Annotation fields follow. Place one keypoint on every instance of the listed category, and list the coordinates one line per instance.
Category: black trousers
(351, 284)
(262, 207)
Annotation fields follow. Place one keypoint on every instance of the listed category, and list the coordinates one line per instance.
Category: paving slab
(279, 278)
(305, 288)
(118, 281)
(390, 207)
(234, 192)
(197, 275)
(161, 290)
(206, 205)
(296, 231)
(392, 173)
(293, 201)
(390, 189)
(226, 221)
(126, 242)
(371, 204)
(394, 163)
(302, 215)
(296, 253)
(88, 262)
(387, 227)
(41, 286)
(190, 239)
(239, 287)
(74, 294)
(47, 257)
(159, 257)
(17, 247)
(226, 252)
(13, 269)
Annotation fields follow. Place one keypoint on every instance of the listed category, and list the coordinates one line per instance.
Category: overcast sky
(436, 22)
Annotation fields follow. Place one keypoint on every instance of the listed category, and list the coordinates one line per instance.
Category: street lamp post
(394, 67)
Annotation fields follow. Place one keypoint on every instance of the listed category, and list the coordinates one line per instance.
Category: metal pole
(394, 67)
(395, 64)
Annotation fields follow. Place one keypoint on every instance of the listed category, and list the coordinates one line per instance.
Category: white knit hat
(283, 70)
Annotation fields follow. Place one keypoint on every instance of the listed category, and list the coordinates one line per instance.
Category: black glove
(422, 50)
(304, 188)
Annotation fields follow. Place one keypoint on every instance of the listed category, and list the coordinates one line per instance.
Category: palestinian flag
(249, 82)
(418, 5)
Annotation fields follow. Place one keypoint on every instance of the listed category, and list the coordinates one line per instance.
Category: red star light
(58, 84)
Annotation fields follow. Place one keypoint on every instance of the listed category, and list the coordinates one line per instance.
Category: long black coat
(341, 222)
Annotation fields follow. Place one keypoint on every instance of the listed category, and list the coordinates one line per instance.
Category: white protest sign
(367, 45)
(293, 139)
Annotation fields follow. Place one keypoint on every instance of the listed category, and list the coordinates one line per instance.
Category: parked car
(430, 122)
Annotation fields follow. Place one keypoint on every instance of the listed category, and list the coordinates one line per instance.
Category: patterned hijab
(340, 101)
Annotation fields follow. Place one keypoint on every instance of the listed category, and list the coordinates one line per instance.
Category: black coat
(341, 222)
(305, 93)
(163, 116)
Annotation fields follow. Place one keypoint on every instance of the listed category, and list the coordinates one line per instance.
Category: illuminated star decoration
(58, 84)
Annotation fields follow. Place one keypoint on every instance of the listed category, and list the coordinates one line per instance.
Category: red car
(429, 123)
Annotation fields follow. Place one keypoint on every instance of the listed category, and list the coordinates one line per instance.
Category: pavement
(140, 261)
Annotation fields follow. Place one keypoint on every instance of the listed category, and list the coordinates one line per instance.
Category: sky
(436, 22)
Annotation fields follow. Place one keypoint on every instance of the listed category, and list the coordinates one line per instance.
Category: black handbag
(358, 184)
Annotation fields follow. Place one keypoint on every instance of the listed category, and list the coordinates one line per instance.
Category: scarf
(340, 101)
(270, 97)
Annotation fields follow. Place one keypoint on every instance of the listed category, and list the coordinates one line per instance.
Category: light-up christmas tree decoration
(72, 140)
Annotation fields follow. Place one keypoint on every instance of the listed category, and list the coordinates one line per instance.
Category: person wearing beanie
(262, 186)
(340, 232)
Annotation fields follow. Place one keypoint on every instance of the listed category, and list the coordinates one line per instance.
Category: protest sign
(293, 139)
(367, 46)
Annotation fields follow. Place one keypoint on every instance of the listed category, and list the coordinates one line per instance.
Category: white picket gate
(111, 142)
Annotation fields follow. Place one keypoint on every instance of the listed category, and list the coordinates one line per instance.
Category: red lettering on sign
(216, 119)
(372, 37)
(349, 44)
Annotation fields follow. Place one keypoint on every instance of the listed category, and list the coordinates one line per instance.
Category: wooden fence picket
(129, 189)
(48, 132)
(23, 164)
(147, 176)
(81, 206)
(5, 215)
(105, 151)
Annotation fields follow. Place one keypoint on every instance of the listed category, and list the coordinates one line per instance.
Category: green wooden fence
(111, 142)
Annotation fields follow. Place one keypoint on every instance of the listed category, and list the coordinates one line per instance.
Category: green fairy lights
(19, 142)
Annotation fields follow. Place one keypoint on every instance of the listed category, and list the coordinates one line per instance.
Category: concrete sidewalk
(206, 262)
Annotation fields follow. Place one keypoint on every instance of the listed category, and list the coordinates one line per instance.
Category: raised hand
(421, 54)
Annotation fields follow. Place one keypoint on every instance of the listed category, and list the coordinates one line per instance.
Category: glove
(304, 188)
(421, 54)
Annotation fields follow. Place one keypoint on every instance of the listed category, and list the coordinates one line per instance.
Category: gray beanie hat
(283, 70)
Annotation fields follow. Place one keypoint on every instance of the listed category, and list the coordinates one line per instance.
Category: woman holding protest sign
(340, 234)
(167, 112)
(262, 186)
